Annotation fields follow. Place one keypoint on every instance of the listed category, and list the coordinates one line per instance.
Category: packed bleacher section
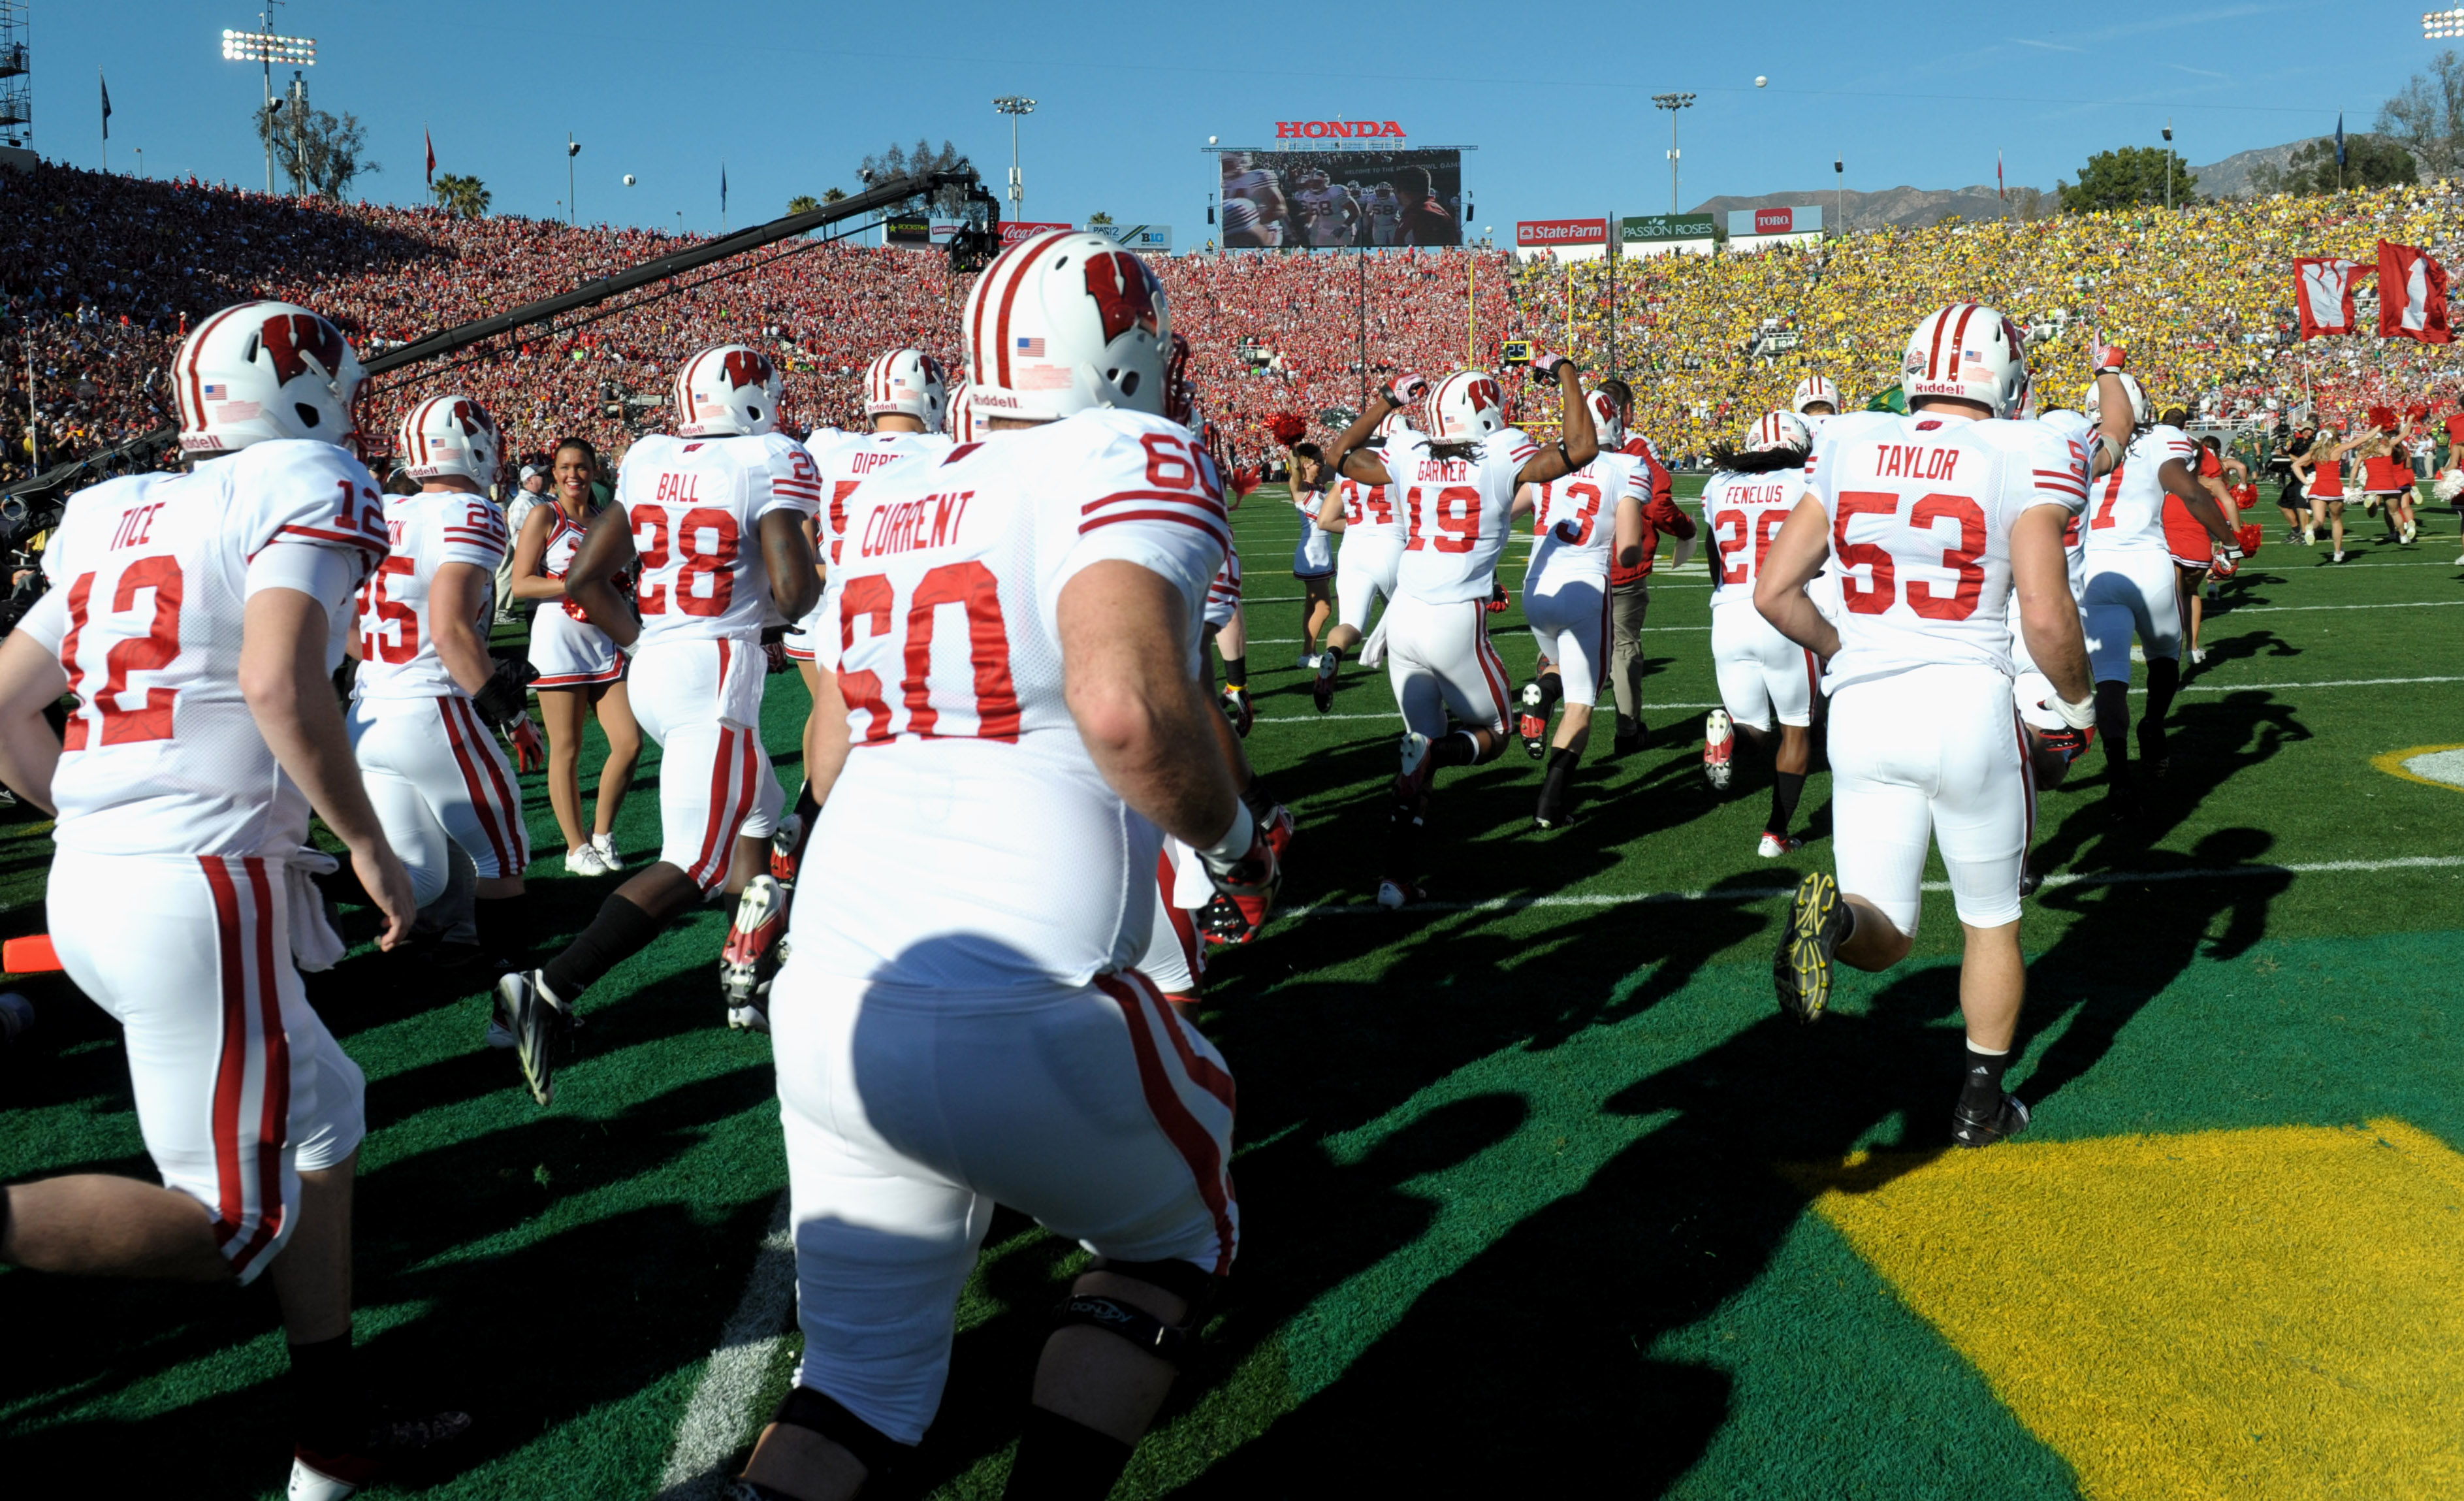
(103, 274)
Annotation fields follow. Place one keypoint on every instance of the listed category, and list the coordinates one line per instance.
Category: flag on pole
(106, 102)
(1997, 173)
(2340, 140)
(2412, 295)
(722, 188)
(431, 154)
(2323, 293)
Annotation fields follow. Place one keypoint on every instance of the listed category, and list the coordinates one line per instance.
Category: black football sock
(620, 931)
(1062, 1460)
(1235, 671)
(807, 805)
(1403, 821)
(325, 1410)
(503, 923)
(1557, 785)
(1461, 748)
(1980, 1093)
(2163, 681)
(1552, 687)
(2113, 727)
(1787, 787)
(1259, 801)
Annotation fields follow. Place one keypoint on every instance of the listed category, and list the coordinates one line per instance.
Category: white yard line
(721, 1414)
(2270, 610)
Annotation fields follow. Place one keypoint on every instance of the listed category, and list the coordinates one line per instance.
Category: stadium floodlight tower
(265, 48)
(1014, 105)
(2442, 25)
(16, 76)
(1672, 102)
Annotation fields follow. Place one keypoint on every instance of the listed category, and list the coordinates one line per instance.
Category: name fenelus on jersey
(928, 521)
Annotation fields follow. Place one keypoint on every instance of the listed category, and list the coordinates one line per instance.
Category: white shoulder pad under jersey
(695, 506)
(151, 578)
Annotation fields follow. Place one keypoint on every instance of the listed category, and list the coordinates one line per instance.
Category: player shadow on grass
(2211, 741)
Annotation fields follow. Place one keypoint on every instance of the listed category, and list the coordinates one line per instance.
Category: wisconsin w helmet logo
(470, 418)
(1484, 396)
(745, 368)
(293, 338)
(1124, 289)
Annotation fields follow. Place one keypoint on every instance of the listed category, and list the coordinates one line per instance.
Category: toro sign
(1804, 220)
(1337, 130)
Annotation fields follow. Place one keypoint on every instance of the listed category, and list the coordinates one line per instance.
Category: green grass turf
(1510, 1210)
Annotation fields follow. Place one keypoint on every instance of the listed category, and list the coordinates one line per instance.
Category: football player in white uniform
(1365, 564)
(1815, 400)
(1566, 596)
(1458, 488)
(1254, 210)
(1385, 214)
(198, 618)
(1762, 675)
(2129, 588)
(1934, 518)
(428, 695)
(1313, 553)
(715, 518)
(954, 1027)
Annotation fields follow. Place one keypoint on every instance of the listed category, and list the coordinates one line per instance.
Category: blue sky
(792, 97)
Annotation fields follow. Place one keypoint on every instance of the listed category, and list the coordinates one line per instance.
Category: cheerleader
(579, 667)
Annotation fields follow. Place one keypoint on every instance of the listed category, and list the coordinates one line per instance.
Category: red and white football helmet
(1398, 420)
(449, 436)
(1466, 407)
(1970, 352)
(1778, 429)
(962, 413)
(262, 370)
(1607, 421)
(1066, 322)
(1812, 389)
(727, 391)
(907, 383)
(2142, 411)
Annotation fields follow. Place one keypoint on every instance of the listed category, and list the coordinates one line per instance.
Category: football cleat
(1533, 724)
(783, 851)
(1631, 744)
(1393, 894)
(1235, 703)
(1281, 830)
(1818, 925)
(316, 1476)
(1322, 686)
(2009, 1118)
(539, 1023)
(1773, 846)
(1221, 921)
(748, 1018)
(750, 959)
(1419, 768)
(1719, 745)
(605, 845)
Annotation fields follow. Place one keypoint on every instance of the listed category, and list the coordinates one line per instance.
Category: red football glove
(1249, 880)
(2109, 358)
(1407, 390)
(530, 754)
(2071, 743)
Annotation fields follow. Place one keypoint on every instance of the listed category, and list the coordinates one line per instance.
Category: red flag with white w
(2412, 295)
(2323, 292)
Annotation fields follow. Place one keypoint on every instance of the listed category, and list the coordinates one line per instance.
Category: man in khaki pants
(1630, 578)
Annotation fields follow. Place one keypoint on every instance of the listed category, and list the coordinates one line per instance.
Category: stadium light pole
(2442, 25)
(572, 149)
(2169, 164)
(265, 49)
(1672, 102)
(1014, 105)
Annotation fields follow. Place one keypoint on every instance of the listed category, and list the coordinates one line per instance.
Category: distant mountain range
(1917, 206)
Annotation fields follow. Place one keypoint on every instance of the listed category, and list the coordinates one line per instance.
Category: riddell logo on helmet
(1337, 130)
(289, 337)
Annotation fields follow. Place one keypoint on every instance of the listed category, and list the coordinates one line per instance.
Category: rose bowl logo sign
(1337, 130)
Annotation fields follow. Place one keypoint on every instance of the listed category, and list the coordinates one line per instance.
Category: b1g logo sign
(1337, 130)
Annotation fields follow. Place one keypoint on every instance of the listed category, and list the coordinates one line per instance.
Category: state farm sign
(1539, 233)
(1337, 130)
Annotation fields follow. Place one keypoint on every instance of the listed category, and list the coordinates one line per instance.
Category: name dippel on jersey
(1912, 462)
(930, 521)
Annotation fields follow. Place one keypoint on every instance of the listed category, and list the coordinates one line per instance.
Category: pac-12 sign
(1337, 130)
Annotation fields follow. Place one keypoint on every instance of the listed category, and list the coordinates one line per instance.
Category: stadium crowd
(109, 270)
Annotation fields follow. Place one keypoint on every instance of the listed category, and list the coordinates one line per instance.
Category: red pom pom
(2382, 417)
(1288, 427)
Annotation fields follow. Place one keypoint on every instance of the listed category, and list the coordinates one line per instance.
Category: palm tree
(802, 203)
(466, 196)
(1094, 219)
(833, 195)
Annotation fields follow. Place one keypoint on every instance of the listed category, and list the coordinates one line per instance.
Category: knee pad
(816, 1413)
(1183, 1280)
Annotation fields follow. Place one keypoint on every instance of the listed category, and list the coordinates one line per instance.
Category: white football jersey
(856, 457)
(696, 505)
(150, 577)
(970, 844)
(1368, 514)
(1456, 513)
(1255, 183)
(397, 635)
(1743, 513)
(2126, 511)
(1574, 522)
(1920, 510)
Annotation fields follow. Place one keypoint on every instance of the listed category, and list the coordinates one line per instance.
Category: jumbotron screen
(1341, 200)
